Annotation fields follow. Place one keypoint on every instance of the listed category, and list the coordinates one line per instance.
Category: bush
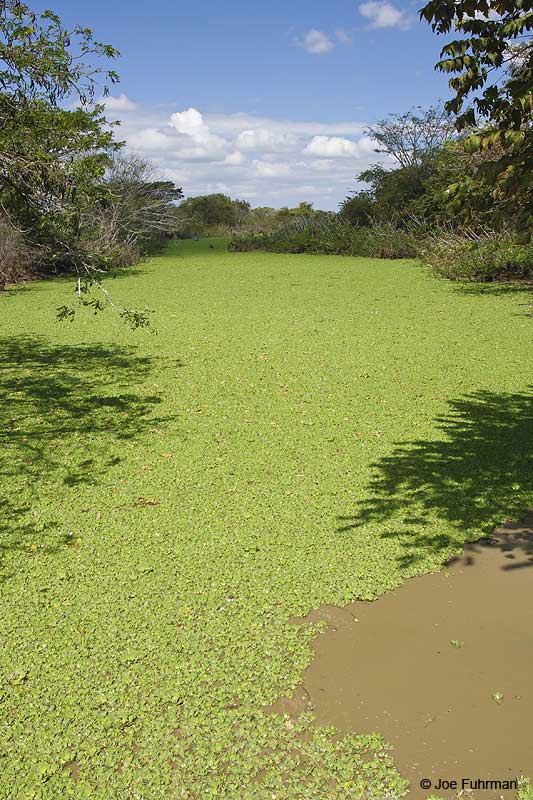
(201, 215)
(187, 226)
(328, 234)
(17, 259)
(478, 257)
(358, 208)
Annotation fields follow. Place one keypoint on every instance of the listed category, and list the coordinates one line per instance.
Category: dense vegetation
(218, 214)
(69, 202)
(302, 430)
(439, 204)
(329, 234)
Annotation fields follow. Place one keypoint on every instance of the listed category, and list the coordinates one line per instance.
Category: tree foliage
(40, 59)
(52, 166)
(71, 204)
(212, 210)
(357, 208)
(449, 188)
(492, 66)
(413, 135)
(51, 159)
(137, 209)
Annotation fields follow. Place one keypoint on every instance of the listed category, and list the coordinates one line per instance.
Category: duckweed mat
(299, 431)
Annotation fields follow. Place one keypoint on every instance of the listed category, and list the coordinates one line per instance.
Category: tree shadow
(125, 272)
(514, 539)
(65, 411)
(473, 477)
(495, 288)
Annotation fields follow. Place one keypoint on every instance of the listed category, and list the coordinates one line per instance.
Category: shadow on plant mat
(441, 667)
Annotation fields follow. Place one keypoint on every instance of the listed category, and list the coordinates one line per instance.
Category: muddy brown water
(451, 711)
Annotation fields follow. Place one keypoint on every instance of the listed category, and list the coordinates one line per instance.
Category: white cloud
(273, 162)
(343, 36)
(199, 142)
(383, 14)
(235, 159)
(366, 146)
(331, 147)
(190, 123)
(265, 139)
(151, 139)
(120, 103)
(316, 42)
(321, 164)
(269, 169)
(337, 147)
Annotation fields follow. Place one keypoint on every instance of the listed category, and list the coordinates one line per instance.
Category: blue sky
(264, 101)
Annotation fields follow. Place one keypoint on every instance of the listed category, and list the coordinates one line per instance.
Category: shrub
(17, 259)
(210, 210)
(329, 234)
(357, 208)
(388, 241)
(481, 257)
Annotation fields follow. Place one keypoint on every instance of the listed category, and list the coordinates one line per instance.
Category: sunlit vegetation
(171, 500)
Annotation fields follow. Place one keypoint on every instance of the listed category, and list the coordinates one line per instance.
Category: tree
(390, 195)
(42, 60)
(137, 210)
(304, 209)
(53, 161)
(41, 64)
(439, 202)
(410, 137)
(357, 208)
(52, 166)
(492, 63)
(213, 209)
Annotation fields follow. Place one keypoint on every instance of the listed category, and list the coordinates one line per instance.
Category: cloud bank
(265, 161)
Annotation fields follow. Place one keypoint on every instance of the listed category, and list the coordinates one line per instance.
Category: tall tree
(53, 161)
(41, 64)
(137, 210)
(412, 136)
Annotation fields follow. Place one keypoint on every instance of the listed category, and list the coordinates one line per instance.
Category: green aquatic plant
(170, 501)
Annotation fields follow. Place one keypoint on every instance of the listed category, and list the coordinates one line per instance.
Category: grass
(301, 430)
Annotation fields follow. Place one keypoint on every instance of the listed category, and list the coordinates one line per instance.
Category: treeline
(438, 204)
(219, 215)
